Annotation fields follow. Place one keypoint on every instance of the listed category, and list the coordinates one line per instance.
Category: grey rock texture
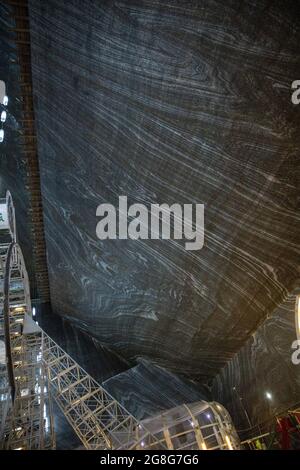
(98, 361)
(180, 101)
(12, 162)
(146, 390)
(263, 365)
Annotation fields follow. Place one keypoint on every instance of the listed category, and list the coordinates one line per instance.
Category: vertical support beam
(10, 368)
(29, 144)
(198, 434)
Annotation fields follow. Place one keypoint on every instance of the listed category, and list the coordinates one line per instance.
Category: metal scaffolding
(97, 418)
(37, 370)
(26, 417)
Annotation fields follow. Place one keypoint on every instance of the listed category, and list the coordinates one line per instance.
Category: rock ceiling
(184, 102)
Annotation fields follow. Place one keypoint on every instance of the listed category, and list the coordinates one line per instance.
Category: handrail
(14, 256)
(9, 360)
(11, 215)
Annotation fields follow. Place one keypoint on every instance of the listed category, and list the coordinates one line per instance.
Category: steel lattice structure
(26, 409)
(98, 419)
(38, 369)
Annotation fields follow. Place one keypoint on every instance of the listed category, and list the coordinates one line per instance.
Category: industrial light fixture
(4, 102)
(2, 91)
(269, 395)
(229, 445)
(19, 309)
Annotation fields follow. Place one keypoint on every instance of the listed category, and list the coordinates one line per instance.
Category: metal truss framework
(102, 423)
(200, 425)
(97, 418)
(26, 418)
(38, 369)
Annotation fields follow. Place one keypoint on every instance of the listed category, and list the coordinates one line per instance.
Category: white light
(5, 100)
(19, 309)
(228, 443)
(1, 135)
(3, 116)
(269, 395)
(142, 444)
(33, 311)
(2, 90)
(208, 416)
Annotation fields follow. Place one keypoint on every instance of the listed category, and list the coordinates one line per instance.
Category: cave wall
(263, 365)
(180, 101)
(13, 171)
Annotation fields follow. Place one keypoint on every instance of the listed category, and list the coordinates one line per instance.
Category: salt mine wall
(262, 380)
(179, 102)
(13, 170)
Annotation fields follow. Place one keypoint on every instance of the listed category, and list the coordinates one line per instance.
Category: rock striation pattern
(180, 101)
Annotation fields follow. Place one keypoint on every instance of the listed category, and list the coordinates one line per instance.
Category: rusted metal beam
(28, 142)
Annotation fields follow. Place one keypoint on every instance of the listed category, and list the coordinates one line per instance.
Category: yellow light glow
(19, 309)
(19, 320)
(203, 446)
(228, 443)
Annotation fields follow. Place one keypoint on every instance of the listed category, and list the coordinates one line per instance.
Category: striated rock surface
(13, 170)
(261, 379)
(180, 101)
(146, 389)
